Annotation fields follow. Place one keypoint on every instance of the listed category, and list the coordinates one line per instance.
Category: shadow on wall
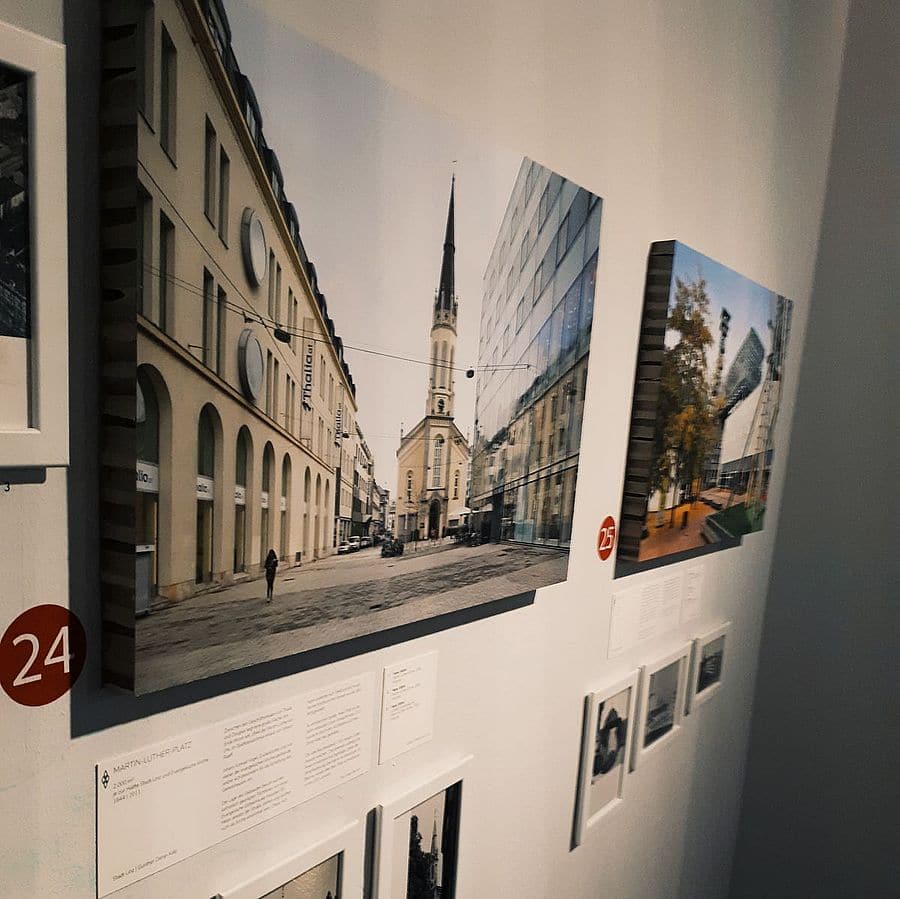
(817, 819)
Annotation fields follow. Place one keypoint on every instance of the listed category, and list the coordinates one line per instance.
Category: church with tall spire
(433, 456)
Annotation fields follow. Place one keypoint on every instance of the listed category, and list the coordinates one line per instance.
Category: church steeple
(446, 295)
(443, 324)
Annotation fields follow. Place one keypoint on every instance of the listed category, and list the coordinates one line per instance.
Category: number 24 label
(42, 653)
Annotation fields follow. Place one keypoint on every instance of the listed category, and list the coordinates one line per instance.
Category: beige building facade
(243, 394)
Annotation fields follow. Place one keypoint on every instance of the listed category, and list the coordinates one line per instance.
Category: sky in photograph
(747, 302)
(368, 170)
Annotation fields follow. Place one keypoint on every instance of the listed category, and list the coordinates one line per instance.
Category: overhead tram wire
(250, 313)
(271, 324)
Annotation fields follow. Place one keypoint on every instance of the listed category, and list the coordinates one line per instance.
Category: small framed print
(605, 750)
(332, 869)
(33, 254)
(707, 666)
(417, 840)
(661, 702)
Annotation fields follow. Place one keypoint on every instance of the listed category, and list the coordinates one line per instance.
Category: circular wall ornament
(250, 364)
(253, 247)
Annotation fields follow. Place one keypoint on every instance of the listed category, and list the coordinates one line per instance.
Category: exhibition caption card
(407, 705)
(166, 802)
(654, 607)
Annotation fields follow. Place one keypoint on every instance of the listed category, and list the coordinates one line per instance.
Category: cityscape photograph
(15, 250)
(661, 702)
(361, 363)
(707, 423)
(709, 671)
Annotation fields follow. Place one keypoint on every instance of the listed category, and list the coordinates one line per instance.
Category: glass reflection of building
(745, 372)
(536, 319)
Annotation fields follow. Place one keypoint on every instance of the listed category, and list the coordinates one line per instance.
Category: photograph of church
(425, 867)
(324, 330)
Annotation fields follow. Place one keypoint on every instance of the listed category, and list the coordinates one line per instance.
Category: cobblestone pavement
(335, 599)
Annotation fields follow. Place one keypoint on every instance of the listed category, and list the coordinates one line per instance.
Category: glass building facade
(536, 317)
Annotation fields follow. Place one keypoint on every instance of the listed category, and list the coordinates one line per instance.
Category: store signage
(147, 477)
(42, 653)
(338, 425)
(264, 499)
(240, 495)
(205, 488)
(306, 393)
(283, 504)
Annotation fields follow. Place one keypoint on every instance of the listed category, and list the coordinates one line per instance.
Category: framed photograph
(661, 702)
(605, 752)
(332, 869)
(327, 473)
(707, 665)
(705, 410)
(33, 252)
(417, 840)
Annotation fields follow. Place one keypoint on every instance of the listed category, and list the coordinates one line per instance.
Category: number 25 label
(41, 655)
(606, 539)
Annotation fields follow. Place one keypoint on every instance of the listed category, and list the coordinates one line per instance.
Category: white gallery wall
(708, 122)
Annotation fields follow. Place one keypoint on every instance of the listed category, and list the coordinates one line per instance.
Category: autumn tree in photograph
(686, 421)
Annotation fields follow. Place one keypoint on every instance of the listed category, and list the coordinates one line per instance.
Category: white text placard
(407, 705)
(166, 802)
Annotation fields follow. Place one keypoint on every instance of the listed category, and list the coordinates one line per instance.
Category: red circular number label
(41, 655)
(606, 539)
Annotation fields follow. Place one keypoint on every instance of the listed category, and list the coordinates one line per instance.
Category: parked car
(343, 548)
(364, 542)
(353, 543)
(392, 547)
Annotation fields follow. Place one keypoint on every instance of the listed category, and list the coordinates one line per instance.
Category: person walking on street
(271, 567)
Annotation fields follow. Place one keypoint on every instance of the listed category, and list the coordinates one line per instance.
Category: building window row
(216, 187)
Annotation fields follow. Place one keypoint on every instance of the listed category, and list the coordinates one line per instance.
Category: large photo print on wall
(313, 472)
(705, 409)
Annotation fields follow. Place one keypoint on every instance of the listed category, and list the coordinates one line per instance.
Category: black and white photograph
(709, 671)
(605, 753)
(663, 694)
(330, 869)
(705, 412)
(707, 665)
(361, 353)
(425, 861)
(15, 249)
(417, 839)
(15, 245)
(321, 882)
(661, 703)
(34, 233)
